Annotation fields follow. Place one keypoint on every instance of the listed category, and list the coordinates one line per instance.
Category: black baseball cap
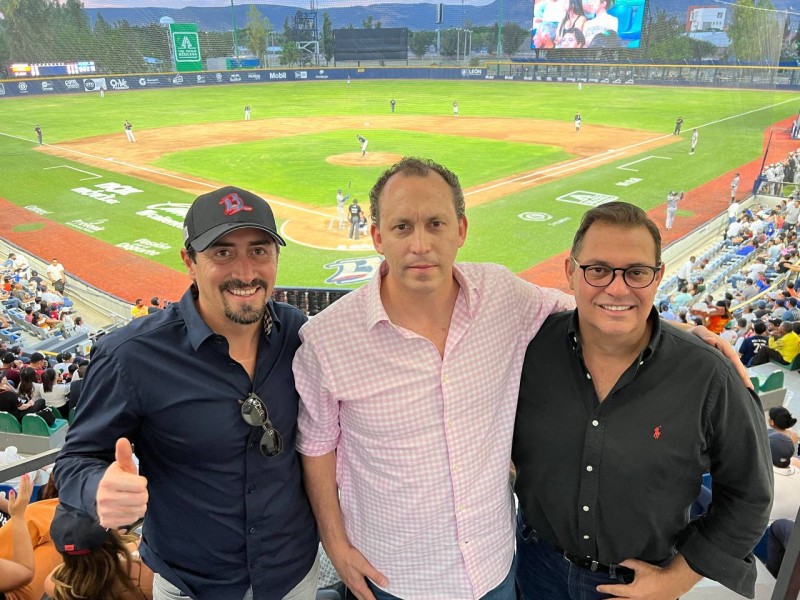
(216, 213)
(75, 533)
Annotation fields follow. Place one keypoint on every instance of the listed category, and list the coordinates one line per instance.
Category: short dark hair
(759, 327)
(623, 214)
(411, 166)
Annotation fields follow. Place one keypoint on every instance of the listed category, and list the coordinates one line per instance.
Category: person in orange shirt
(45, 556)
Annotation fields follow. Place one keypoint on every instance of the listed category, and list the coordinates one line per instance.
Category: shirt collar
(377, 313)
(655, 333)
(199, 331)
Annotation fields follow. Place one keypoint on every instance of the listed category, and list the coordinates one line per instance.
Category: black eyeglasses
(637, 277)
(254, 413)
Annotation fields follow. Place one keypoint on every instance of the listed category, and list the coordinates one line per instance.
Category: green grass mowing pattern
(496, 232)
(295, 167)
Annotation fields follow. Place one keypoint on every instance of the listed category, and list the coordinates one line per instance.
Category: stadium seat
(9, 423)
(36, 425)
(793, 366)
(773, 381)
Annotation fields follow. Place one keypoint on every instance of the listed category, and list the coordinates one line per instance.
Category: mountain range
(414, 15)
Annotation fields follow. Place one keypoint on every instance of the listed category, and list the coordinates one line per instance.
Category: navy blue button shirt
(221, 516)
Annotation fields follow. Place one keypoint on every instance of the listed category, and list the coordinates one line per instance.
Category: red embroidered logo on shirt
(657, 432)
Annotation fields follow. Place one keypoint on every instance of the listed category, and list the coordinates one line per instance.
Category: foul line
(163, 174)
(623, 167)
(93, 175)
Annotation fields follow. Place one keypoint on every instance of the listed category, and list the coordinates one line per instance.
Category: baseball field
(528, 175)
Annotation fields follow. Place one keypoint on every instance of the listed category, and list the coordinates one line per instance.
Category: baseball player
(38, 131)
(694, 141)
(577, 122)
(678, 124)
(392, 103)
(246, 112)
(340, 200)
(129, 131)
(455, 108)
(734, 186)
(364, 143)
(672, 207)
(355, 219)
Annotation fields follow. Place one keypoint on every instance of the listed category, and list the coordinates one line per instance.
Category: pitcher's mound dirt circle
(372, 159)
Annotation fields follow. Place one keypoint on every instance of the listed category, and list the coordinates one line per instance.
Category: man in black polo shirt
(619, 416)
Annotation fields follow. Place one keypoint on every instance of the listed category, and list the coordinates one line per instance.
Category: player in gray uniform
(340, 200)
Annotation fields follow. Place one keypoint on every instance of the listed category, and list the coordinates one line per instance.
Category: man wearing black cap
(213, 423)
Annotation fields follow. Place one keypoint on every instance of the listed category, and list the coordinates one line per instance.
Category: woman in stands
(782, 421)
(27, 377)
(53, 391)
(11, 402)
(99, 564)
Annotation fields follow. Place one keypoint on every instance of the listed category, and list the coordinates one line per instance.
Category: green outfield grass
(732, 124)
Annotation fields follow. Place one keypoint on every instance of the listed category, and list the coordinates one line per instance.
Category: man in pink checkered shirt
(406, 462)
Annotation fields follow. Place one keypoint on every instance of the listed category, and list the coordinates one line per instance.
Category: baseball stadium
(115, 116)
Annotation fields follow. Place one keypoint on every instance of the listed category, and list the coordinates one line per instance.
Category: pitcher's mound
(372, 159)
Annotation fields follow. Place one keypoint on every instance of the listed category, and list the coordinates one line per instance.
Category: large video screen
(576, 24)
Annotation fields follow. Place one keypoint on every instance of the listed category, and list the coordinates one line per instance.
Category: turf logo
(535, 217)
(353, 270)
(587, 198)
(164, 213)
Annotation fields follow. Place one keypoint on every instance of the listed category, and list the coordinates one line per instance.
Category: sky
(321, 4)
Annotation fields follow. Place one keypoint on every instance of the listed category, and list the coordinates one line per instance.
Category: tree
(667, 41)
(290, 53)
(756, 32)
(513, 36)
(420, 40)
(257, 30)
(327, 38)
(449, 43)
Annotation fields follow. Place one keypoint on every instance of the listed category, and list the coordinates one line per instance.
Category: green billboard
(185, 47)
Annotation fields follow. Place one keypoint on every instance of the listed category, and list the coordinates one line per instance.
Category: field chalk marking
(93, 175)
(624, 167)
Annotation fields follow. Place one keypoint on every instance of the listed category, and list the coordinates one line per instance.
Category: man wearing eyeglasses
(619, 416)
(204, 392)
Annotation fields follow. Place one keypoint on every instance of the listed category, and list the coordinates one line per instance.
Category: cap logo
(234, 204)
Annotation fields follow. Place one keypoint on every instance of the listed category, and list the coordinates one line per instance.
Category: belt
(592, 565)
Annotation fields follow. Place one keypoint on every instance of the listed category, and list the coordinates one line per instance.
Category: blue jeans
(543, 572)
(505, 591)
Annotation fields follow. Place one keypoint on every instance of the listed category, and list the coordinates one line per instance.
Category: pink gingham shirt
(423, 442)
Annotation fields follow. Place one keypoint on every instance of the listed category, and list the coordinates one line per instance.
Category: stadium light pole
(499, 50)
(235, 38)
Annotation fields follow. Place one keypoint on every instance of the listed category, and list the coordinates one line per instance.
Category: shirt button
(595, 423)
(586, 537)
(444, 378)
(460, 507)
(251, 489)
(585, 509)
(252, 530)
(589, 468)
(457, 468)
(588, 376)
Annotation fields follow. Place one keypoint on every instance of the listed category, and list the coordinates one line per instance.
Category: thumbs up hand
(122, 493)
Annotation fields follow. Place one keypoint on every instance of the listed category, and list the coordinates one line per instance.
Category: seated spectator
(80, 327)
(98, 562)
(751, 345)
(45, 556)
(733, 331)
(682, 297)
(76, 386)
(778, 536)
(40, 320)
(52, 298)
(749, 290)
(782, 421)
(782, 346)
(11, 368)
(139, 309)
(666, 312)
(792, 313)
(38, 362)
(11, 402)
(25, 389)
(154, 307)
(786, 497)
(716, 317)
(17, 566)
(54, 391)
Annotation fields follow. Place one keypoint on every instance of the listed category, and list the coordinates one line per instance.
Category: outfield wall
(781, 78)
